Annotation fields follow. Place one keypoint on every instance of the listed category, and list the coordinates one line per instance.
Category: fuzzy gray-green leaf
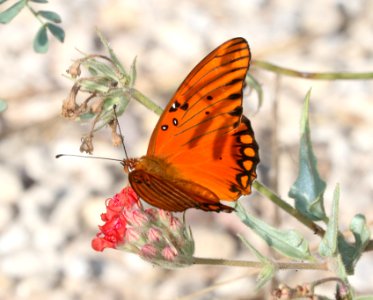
(132, 74)
(287, 242)
(97, 68)
(308, 189)
(269, 268)
(9, 14)
(328, 245)
(361, 232)
(351, 252)
(41, 43)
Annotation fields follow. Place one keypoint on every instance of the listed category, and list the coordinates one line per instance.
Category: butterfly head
(129, 164)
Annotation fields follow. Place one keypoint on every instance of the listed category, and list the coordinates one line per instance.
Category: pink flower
(153, 234)
(148, 251)
(169, 253)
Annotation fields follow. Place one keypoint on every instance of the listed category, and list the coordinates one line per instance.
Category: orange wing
(202, 132)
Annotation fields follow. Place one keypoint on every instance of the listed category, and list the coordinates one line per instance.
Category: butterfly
(202, 149)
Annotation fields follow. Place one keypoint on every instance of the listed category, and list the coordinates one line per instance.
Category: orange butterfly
(203, 149)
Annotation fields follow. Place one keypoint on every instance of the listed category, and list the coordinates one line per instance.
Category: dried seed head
(74, 69)
(69, 106)
(87, 144)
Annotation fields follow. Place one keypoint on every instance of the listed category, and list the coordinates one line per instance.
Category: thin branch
(311, 75)
(140, 97)
(261, 188)
(259, 265)
(35, 13)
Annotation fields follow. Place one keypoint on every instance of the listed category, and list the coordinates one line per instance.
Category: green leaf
(50, 16)
(328, 245)
(8, 15)
(120, 100)
(361, 232)
(308, 189)
(39, 1)
(269, 269)
(56, 31)
(253, 83)
(97, 68)
(132, 74)
(287, 242)
(113, 56)
(3, 1)
(351, 253)
(3, 105)
(41, 43)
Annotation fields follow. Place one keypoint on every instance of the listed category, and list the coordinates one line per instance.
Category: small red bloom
(153, 234)
(112, 233)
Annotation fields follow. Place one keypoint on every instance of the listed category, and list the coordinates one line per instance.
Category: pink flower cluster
(154, 234)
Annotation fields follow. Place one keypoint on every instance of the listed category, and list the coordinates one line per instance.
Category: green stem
(311, 75)
(35, 13)
(146, 101)
(261, 188)
(265, 191)
(259, 265)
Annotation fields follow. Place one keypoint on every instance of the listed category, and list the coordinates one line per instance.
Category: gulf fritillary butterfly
(202, 149)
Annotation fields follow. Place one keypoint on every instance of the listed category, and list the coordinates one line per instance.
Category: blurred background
(50, 209)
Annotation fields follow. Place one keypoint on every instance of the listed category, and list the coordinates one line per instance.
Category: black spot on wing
(236, 112)
(174, 106)
(235, 96)
(184, 106)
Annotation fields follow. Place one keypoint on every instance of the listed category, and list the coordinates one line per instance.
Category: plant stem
(256, 264)
(146, 101)
(261, 188)
(311, 75)
(34, 13)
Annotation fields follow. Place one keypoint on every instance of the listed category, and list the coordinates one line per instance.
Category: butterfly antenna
(83, 156)
(120, 130)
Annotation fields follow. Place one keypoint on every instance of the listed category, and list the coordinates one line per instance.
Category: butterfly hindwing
(174, 195)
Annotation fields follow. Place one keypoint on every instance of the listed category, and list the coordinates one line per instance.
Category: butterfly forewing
(209, 101)
(202, 149)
